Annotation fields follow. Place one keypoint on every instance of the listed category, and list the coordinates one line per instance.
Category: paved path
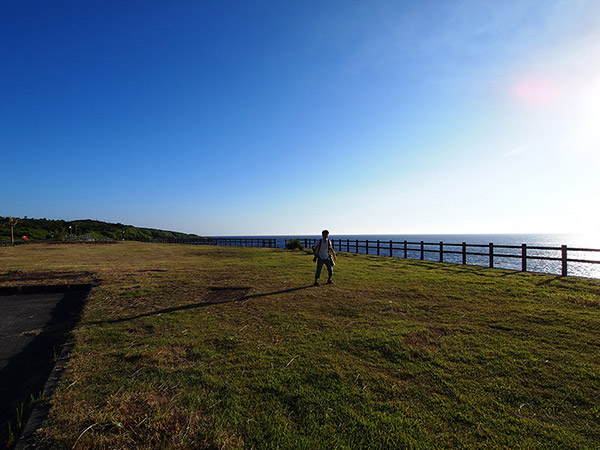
(33, 328)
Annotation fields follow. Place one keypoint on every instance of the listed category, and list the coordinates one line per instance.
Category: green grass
(215, 347)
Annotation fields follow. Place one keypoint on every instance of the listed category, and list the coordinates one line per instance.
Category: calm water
(572, 242)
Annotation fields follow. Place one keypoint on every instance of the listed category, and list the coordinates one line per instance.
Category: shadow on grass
(215, 296)
(472, 269)
(479, 270)
(550, 280)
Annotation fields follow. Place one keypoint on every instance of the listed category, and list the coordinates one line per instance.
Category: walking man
(323, 253)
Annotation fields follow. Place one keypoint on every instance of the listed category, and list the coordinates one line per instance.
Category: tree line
(61, 229)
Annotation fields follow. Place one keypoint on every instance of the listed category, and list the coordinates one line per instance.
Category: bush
(294, 244)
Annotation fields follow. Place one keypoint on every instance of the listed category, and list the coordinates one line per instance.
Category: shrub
(294, 244)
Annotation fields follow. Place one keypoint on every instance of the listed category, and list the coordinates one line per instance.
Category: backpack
(317, 247)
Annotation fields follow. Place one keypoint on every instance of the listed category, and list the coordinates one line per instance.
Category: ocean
(572, 241)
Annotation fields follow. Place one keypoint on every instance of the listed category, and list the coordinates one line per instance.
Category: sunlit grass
(215, 347)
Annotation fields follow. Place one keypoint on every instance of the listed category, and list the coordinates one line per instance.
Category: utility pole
(12, 221)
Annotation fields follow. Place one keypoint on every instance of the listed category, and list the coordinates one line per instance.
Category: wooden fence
(441, 251)
(490, 251)
(239, 242)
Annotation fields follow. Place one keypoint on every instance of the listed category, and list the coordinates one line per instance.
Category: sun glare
(537, 91)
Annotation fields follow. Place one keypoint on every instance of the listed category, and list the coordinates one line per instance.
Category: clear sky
(276, 117)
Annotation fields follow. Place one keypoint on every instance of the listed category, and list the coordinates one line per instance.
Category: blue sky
(239, 118)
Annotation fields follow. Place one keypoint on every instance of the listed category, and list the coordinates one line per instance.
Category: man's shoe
(329, 282)
(316, 283)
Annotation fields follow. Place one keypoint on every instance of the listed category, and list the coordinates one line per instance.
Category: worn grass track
(213, 347)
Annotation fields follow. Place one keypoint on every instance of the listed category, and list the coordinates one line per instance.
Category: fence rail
(461, 252)
(238, 242)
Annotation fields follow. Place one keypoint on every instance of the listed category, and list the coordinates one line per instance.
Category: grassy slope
(43, 228)
(397, 354)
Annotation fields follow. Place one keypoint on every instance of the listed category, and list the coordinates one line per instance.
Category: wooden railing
(460, 253)
(238, 242)
(463, 253)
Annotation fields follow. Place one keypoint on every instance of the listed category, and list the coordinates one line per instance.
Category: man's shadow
(216, 296)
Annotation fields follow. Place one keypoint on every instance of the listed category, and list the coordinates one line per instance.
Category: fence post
(348, 245)
(357, 246)
(524, 258)
(422, 251)
(367, 246)
(377, 247)
(464, 253)
(391, 249)
(441, 251)
(405, 249)
(491, 254)
(563, 251)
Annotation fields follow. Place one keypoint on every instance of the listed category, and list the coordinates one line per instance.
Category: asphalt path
(23, 317)
(33, 328)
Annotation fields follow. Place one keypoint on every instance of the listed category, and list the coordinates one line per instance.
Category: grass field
(215, 347)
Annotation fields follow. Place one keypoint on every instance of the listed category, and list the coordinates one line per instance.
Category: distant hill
(59, 229)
